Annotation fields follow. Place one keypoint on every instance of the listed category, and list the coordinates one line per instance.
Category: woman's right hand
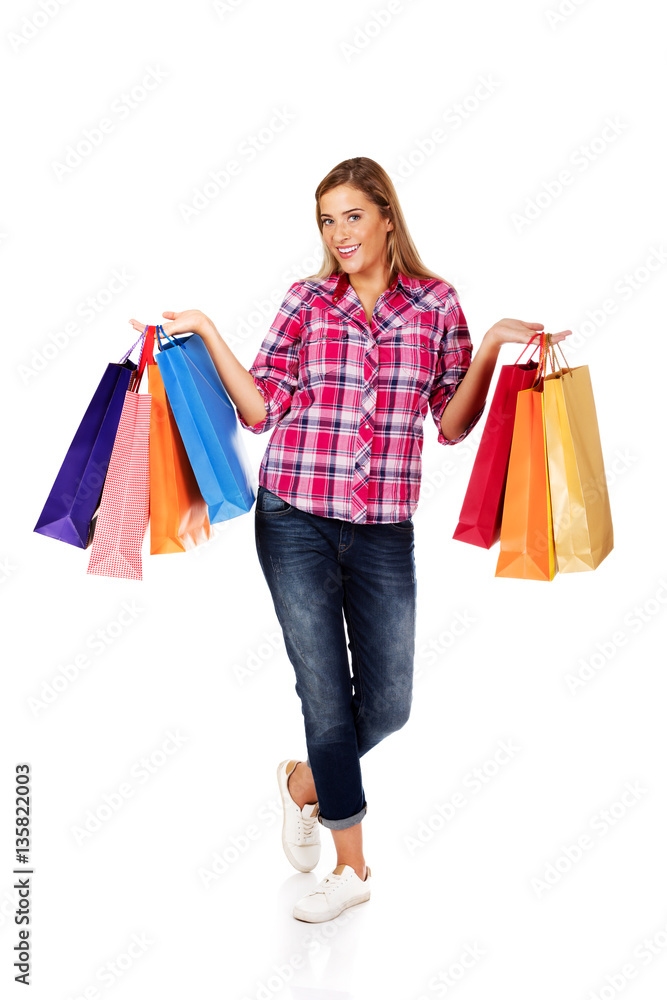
(188, 321)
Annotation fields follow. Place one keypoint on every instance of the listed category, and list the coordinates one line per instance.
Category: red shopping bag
(124, 507)
(482, 510)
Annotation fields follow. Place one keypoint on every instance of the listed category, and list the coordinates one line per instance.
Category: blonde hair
(374, 182)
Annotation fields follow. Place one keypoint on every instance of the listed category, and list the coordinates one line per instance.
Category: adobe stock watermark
(140, 774)
(223, 7)
(472, 783)
(256, 658)
(633, 621)
(110, 972)
(94, 136)
(442, 982)
(365, 34)
(624, 290)
(95, 644)
(600, 824)
(32, 24)
(562, 12)
(255, 322)
(237, 845)
(281, 973)
(247, 152)
(432, 652)
(453, 118)
(579, 160)
(8, 569)
(88, 309)
(643, 954)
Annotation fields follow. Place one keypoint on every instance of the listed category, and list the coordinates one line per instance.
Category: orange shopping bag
(178, 512)
(526, 531)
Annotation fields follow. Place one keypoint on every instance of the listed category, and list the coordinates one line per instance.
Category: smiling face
(350, 220)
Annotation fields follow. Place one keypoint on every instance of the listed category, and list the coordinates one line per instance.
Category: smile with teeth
(349, 250)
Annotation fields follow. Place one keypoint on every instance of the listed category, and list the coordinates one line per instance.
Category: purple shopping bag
(69, 512)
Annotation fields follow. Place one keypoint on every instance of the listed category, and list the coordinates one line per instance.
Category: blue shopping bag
(71, 507)
(208, 426)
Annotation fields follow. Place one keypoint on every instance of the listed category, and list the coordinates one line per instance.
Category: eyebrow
(346, 212)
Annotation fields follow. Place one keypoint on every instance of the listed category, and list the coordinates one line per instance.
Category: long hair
(371, 179)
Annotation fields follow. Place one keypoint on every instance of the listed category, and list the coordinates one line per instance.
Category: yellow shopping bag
(583, 531)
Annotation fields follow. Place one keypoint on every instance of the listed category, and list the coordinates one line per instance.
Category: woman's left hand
(515, 331)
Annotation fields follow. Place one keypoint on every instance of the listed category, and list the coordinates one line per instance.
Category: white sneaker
(301, 829)
(334, 893)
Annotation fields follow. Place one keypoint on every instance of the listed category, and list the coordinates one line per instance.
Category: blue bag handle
(160, 329)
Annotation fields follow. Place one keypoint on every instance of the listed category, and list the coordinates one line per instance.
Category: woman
(355, 357)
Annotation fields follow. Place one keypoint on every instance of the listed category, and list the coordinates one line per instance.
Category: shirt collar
(343, 284)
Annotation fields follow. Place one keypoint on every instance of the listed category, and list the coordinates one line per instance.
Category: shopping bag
(481, 513)
(124, 507)
(69, 512)
(208, 425)
(526, 531)
(583, 530)
(178, 512)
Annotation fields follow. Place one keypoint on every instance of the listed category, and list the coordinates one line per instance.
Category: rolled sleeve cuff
(262, 425)
(441, 437)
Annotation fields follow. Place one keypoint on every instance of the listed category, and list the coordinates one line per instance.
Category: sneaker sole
(318, 918)
(284, 791)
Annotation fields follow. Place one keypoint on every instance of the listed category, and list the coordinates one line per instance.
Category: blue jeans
(319, 571)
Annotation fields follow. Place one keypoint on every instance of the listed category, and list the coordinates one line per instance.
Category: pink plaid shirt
(347, 400)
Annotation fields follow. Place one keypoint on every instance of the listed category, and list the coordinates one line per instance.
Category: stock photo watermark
(364, 34)
(248, 150)
(599, 825)
(446, 979)
(96, 643)
(32, 24)
(634, 621)
(580, 159)
(562, 12)
(256, 658)
(88, 309)
(313, 942)
(472, 783)
(237, 845)
(110, 972)
(431, 652)
(141, 772)
(624, 288)
(453, 118)
(121, 108)
(643, 954)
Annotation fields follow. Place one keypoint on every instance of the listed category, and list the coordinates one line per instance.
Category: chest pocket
(408, 356)
(324, 351)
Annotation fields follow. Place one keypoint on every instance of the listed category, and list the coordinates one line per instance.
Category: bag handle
(127, 353)
(526, 348)
(160, 330)
(146, 358)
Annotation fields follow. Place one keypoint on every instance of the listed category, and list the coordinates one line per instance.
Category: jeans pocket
(405, 525)
(270, 503)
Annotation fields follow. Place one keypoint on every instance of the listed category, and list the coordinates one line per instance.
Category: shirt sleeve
(276, 367)
(454, 358)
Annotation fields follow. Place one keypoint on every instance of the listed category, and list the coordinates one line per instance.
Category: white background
(203, 656)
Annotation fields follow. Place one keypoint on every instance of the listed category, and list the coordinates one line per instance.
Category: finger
(137, 325)
(169, 315)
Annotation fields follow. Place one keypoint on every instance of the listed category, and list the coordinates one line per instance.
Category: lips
(344, 252)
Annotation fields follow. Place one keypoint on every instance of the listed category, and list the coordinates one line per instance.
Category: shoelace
(306, 826)
(329, 883)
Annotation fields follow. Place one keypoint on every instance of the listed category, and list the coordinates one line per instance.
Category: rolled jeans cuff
(342, 824)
